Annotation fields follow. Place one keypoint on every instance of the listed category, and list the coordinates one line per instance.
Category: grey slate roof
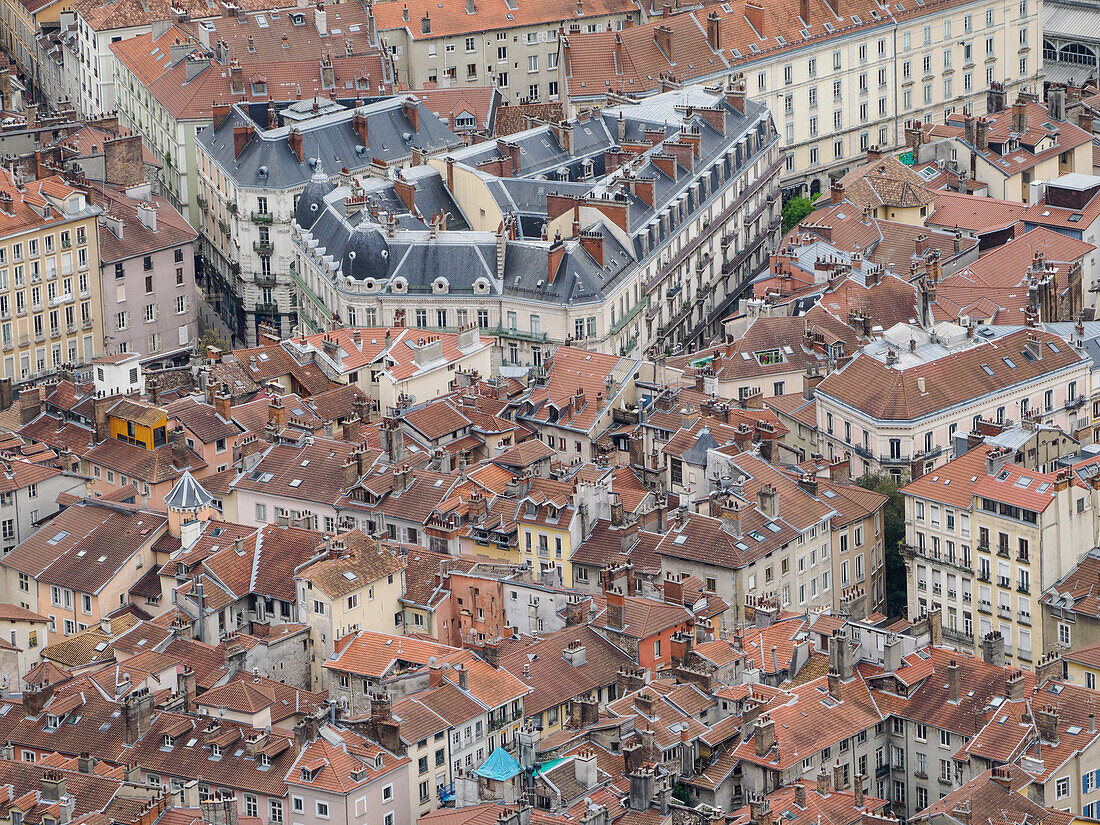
(187, 494)
(329, 139)
(410, 260)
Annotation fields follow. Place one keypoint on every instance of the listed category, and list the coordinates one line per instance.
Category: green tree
(794, 210)
(893, 537)
(211, 338)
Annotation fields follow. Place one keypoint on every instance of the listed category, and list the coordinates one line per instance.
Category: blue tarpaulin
(500, 766)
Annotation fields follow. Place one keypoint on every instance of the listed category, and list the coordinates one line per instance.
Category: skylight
(987, 369)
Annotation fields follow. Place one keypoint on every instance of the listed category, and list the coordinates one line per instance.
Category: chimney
(824, 788)
(981, 134)
(993, 649)
(615, 607)
(662, 36)
(181, 456)
(1047, 721)
(294, 140)
(714, 30)
(836, 192)
(764, 735)
(592, 243)
(1019, 117)
(754, 13)
(1056, 102)
(554, 257)
(954, 688)
(359, 124)
(241, 136)
(223, 403)
(320, 19)
(800, 795)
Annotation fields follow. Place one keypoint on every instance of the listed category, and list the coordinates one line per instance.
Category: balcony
(263, 247)
(1004, 611)
(1003, 581)
(881, 771)
(983, 576)
(1074, 403)
(518, 334)
(264, 280)
(1024, 617)
(985, 607)
(629, 316)
(893, 460)
(1023, 588)
(87, 323)
(263, 217)
(957, 636)
(268, 307)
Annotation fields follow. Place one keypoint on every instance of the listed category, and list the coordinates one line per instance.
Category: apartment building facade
(984, 539)
(838, 79)
(664, 276)
(514, 47)
(897, 405)
(148, 257)
(49, 278)
(248, 188)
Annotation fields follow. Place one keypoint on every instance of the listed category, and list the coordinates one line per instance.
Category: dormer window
(215, 751)
(52, 722)
(530, 508)
(378, 760)
(259, 87)
(307, 775)
(265, 760)
(167, 740)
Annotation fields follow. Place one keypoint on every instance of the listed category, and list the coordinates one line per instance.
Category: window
(1063, 634)
(1061, 787)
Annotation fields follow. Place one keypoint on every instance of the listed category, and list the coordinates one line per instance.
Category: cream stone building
(897, 405)
(634, 229)
(984, 539)
(358, 587)
(838, 78)
(49, 278)
(511, 45)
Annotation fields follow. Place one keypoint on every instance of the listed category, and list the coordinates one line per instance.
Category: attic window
(769, 357)
(296, 483)
(987, 369)
(59, 537)
(259, 87)
(1053, 347)
(1003, 475)
(680, 539)
(1010, 362)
